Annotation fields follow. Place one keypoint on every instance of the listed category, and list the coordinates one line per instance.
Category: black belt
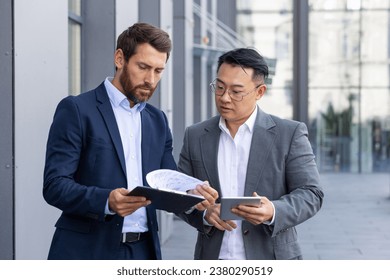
(130, 237)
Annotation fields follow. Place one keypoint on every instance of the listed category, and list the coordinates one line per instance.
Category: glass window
(333, 5)
(349, 76)
(269, 28)
(333, 49)
(376, 4)
(349, 100)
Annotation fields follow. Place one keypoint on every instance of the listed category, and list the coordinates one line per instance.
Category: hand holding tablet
(227, 203)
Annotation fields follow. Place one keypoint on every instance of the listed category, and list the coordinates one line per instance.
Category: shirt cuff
(107, 210)
(204, 220)
(273, 217)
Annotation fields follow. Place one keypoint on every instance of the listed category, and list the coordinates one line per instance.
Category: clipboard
(167, 200)
(227, 203)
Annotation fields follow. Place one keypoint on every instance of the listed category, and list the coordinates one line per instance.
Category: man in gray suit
(247, 152)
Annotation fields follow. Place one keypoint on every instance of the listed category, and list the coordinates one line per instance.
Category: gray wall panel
(151, 16)
(6, 135)
(300, 60)
(98, 41)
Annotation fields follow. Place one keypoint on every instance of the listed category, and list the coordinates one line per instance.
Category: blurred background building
(329, 62)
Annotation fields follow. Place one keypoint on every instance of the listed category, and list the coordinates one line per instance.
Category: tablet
(227, 203)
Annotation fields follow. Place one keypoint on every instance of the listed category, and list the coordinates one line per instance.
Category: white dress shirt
(129, 125)
(233, 155)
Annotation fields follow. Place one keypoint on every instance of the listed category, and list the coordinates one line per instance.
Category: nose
(225, 97)
(150, 78)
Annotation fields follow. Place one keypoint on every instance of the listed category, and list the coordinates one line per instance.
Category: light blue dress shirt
(129, 125)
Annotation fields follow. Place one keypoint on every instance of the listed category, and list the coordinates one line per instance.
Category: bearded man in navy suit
(101, 144)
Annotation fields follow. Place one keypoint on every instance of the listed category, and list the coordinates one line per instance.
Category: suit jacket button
(246, 232)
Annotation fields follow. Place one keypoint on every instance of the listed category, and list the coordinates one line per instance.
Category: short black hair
(246, 58)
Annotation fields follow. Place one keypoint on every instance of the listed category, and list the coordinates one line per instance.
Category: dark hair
(140, 33)
(246, 58)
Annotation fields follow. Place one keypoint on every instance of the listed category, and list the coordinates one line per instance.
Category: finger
(130, 206)
(203, 190)
(202, 205)
(125, 209)
(231, 223)
(253, 218)
(244, 212)
(208, 199)
(218, 226)
(206, 189)
(122, 191)
(227, 225)
(213, 215)
(212, 191)
(223, 225)
(251, 209)
(133, 199)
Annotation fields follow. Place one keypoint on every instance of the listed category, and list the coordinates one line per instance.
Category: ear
(119, 59)
(261, 91)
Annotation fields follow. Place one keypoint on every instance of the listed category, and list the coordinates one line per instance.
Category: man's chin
(143, 97)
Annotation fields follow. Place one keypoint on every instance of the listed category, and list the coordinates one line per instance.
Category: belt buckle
(124, 236)
(138, 236)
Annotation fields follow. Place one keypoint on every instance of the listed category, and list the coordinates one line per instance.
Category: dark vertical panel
(6, 134)
(300, 60)
(151, 16)
(149, 11)
(98, 42)
(227, 13)
(197, 89)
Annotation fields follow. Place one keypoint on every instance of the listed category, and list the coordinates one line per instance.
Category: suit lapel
(263, 138)
(145, 139)
(104, 106)
(209, 143)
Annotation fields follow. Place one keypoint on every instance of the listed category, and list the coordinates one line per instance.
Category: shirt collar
(117, 98)
(249, 123)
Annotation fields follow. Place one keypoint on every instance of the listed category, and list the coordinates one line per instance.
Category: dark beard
(130, 95)
(129, 89)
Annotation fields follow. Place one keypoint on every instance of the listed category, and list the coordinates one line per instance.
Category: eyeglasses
(219, 89)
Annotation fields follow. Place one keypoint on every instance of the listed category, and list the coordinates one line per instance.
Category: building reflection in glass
(349, 100)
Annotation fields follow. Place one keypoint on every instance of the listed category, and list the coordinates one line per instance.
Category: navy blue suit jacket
(85, 162)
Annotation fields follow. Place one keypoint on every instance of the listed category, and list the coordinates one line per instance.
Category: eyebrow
(140, 63)
(234, 85)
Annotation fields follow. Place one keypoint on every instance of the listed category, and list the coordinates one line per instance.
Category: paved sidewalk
(353, 224)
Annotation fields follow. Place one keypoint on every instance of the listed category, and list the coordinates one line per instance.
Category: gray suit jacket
(281, 167)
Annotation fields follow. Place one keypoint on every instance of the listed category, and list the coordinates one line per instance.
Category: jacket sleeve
(195, 218)
(304, 195)
(63, 152)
